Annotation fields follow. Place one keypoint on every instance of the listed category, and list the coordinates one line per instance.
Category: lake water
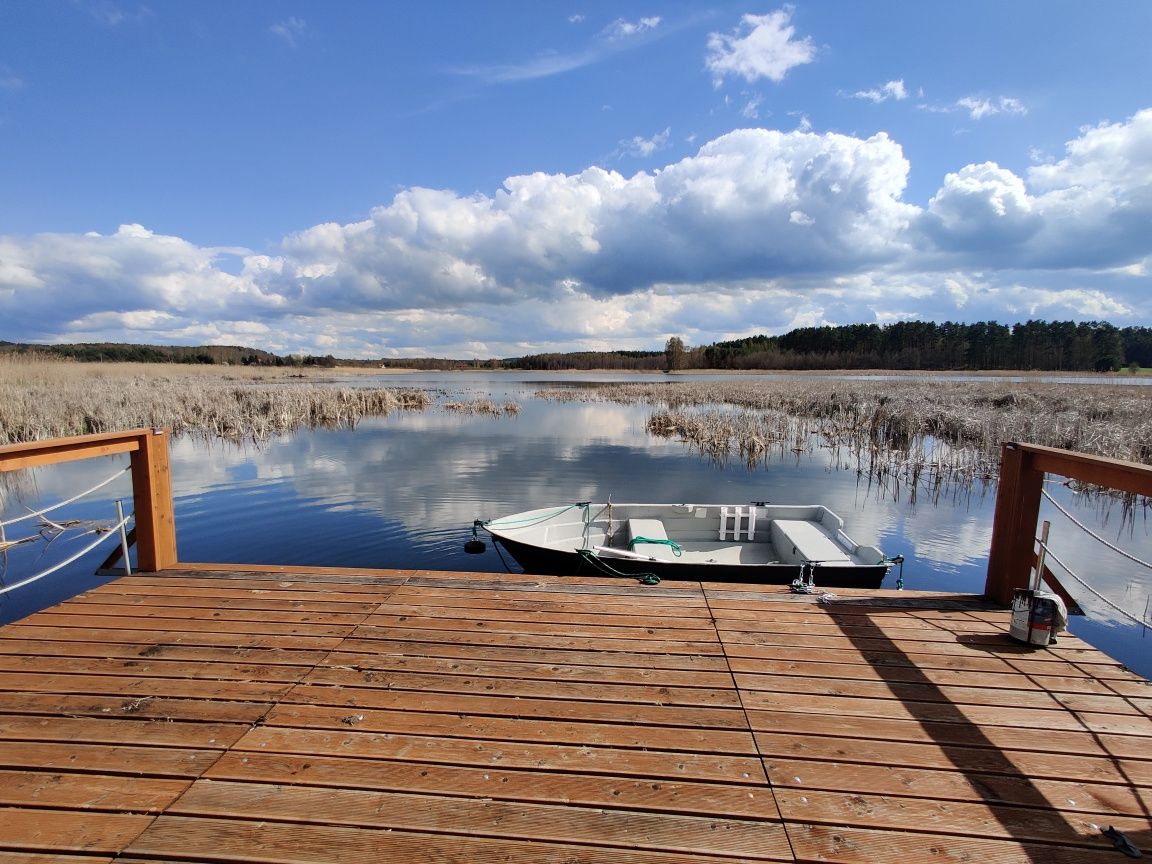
(402, 491)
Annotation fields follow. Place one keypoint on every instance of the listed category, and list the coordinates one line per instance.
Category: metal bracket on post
(123, 538)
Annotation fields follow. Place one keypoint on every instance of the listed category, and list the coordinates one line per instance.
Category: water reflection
(433, 473)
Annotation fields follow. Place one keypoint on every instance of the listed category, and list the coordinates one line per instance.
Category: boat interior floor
(730, 552)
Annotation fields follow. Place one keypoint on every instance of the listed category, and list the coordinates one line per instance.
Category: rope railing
(1068, 570)
(110, 532)
(1092, 533)
(71, 500)
(150, 477)
(1046, 551)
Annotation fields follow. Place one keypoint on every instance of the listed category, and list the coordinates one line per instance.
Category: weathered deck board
(268, 841)
(271, 714)
(654, 763)
(483, 816)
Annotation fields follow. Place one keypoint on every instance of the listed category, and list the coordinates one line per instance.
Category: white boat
(766, 543)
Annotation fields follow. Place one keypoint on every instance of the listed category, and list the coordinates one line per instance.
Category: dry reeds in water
(48, 399)
(920, 431)
(482, 406)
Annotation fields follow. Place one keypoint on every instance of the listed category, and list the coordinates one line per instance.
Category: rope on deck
(74, 498)
(111, 532)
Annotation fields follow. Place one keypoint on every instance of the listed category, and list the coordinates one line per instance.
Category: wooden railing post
(1014, 524)
(152, 498)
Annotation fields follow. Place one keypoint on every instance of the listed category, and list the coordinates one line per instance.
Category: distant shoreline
(815, 373)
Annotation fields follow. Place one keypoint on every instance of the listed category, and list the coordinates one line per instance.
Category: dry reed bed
(45, 399)
(914, 429)
(482, 406)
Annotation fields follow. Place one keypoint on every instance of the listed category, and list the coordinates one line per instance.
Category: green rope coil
(672, 544)
(605, 568)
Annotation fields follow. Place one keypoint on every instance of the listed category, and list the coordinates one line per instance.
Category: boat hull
(554, 562)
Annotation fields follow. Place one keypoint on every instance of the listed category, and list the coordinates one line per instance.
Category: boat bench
(653, 529)
(806, 540)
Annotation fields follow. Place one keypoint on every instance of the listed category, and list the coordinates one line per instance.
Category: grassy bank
(910, 428)
(47, 399)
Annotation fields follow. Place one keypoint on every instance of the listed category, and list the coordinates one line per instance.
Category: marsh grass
(47, 399)
(924, 433)
(482, 406)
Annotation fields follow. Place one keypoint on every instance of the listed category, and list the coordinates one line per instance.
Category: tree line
(1088, 346)
(1059, 346)
(121, 352)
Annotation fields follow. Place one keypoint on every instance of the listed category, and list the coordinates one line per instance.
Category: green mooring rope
(598, 564)
(672, 544)
(535, 520)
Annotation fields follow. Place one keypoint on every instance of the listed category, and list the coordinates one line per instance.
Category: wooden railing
(1022, 470)
(151, 482)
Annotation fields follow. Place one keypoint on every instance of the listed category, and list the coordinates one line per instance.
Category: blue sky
(488, 179)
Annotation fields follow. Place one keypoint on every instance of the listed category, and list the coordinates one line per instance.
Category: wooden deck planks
(895, 747)
(271, 714)
(48, 830)
(484, 816)
(266, 841)
(553, 782)
(656, 764)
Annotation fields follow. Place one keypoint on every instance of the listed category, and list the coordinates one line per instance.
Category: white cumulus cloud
(763, 46)
(983, 208)
(1090, 209)
(758, 230)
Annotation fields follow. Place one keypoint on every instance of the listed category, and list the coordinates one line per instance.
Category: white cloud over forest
(759, 230)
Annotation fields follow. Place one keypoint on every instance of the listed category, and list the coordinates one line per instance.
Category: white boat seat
(650, 529)
(808, 541)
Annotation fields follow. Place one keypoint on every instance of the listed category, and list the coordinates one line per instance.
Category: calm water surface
(402, 491)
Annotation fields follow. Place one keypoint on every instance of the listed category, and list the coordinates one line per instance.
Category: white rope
(1092, 590)
(1093, 534)
(111, 532)
(99, 485)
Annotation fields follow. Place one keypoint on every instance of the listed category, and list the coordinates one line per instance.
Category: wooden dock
(212, 713)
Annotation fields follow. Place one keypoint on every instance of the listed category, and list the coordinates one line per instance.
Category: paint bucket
(1036, 616)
